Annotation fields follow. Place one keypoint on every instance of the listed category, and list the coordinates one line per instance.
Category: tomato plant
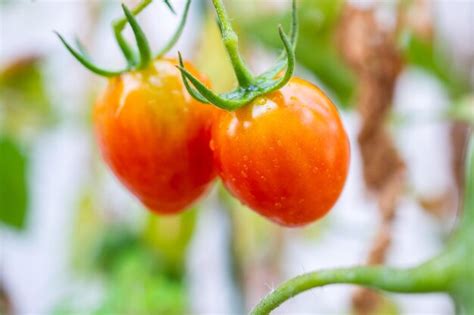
(151, 133)
(280, 142)
(281, 147)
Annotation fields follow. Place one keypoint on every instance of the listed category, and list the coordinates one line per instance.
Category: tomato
(285, 155)
(155, 136)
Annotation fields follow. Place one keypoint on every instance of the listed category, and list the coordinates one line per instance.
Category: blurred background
(74, 241)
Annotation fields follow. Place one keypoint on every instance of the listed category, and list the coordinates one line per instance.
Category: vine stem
(230, 39)
(468, 215)
(422, 279)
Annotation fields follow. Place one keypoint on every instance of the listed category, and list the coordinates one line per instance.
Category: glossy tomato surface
(155, 136)
(285, 155)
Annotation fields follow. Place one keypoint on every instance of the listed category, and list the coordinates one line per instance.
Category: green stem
(426, 278)
(230, 39)
(468, 214)
(462, 289)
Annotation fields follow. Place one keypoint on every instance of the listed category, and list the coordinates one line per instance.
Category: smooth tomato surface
(155, 136)
(285, 155)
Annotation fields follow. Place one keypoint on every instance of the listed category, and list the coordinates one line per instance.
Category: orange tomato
(286, 155)
(155, 136)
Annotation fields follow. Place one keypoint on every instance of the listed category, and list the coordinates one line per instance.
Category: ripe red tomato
(155, 136)
(285, 155)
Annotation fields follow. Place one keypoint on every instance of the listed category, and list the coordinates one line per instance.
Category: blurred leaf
(463, 110)
(423, 53)
(388, 306)
(316, 49)
(88, 228)
(169, 237)
(24, 103)
(136, 288)
(13, 184)
(255, 234)
(116, 241)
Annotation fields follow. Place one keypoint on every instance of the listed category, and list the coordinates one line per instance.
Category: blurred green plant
(141, 267)
(424, 53)
(138, 281)
(14, 199)
(463, 110)
(25, 107)
(24, 111)
(169, 238)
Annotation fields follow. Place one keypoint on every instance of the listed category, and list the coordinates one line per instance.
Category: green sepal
(87, 63)
(140, 38)
(13, 184)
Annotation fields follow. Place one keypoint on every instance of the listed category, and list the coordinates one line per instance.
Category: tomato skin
(286, 155)
(155, 136)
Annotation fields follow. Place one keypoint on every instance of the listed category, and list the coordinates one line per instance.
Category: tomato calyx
(134, 61)
(249, 87)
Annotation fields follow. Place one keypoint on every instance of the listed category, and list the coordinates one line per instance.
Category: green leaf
(463, 110)
(24, 102)
(13, 184)
(169, 238)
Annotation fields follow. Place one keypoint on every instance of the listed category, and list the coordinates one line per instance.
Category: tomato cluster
(277, 142)
(285, 155)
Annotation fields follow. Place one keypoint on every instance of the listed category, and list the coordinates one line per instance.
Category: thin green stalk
(230, 39)
(468, 214)
(416, 280)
